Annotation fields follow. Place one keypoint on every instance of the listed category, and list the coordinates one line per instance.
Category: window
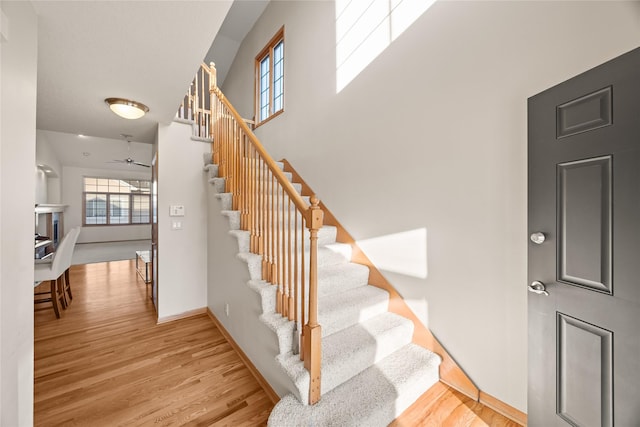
(116, 201)
(270, 79)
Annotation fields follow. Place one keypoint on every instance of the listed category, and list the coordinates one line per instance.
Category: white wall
(45, 155)
(432, 135)
(72, 196)
(18, 75)
(182, 254)
(227, 285)
(41, 186)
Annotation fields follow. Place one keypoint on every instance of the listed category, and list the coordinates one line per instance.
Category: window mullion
(108, 222)
(271, 80)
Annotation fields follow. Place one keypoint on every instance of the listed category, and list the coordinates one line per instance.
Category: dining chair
(54, 272)
(67, 261)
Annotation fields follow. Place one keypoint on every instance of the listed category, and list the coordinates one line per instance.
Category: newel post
(312, 330)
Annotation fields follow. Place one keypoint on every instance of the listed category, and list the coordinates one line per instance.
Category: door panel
(585, 373)
(584, 195)
(586, 113)
(584, 223)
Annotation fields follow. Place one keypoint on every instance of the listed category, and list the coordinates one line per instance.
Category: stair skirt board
(371, 371)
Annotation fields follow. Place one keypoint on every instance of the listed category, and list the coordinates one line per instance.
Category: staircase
(371, 370)
(307, 317)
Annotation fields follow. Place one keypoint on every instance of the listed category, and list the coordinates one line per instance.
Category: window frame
(268, 51)
(131, 196)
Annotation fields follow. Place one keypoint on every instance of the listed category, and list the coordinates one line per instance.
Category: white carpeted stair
(371, 372)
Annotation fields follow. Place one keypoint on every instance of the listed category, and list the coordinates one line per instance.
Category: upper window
(116, 201)
(270, 79)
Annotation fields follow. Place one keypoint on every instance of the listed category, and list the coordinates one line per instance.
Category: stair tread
(337, 278)
(348, 352)
(353, 306)
(374, 397)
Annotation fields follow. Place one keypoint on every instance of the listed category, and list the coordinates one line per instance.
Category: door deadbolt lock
(538, 237)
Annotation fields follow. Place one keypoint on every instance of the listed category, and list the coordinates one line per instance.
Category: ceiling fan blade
(117, 161)
(141, 164)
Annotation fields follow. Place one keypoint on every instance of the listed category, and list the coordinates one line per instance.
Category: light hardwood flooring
(442, 406)
(106, 362)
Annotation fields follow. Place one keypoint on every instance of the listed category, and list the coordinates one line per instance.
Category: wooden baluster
(252, 225)
(231, 163)
(296, 286)
(246, 168)
(265, 223)
(244, 182)
(254, 200)
(202, 134)
(196, 105)
(235, 179)
(216, 135)
(313, 331)
(290, 282)
(260, 207)
(272, 266)
(188, 106)
(285, 267)
(280, 308)
(241, 180)
(303, 292)
(212, 84)
(221, 142)
(220, 138)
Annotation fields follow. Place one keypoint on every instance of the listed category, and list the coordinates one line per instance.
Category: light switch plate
(176, 210)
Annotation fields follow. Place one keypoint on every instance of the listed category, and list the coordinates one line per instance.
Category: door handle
(537, 287)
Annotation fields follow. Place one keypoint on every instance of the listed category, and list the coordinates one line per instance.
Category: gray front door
(584, 249)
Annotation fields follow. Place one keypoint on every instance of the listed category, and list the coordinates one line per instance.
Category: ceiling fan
(129, 161)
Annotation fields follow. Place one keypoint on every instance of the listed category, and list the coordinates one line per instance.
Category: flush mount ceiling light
(126, 108)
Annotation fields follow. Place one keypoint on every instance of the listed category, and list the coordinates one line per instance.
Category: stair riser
(220, 186)
(277, 226)
(335, 319)
(351, 276)
(326, 235)
(227, 204)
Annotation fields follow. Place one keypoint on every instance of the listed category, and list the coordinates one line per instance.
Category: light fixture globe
(126, 108)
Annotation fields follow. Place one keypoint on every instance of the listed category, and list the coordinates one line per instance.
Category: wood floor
(443, 406)
(107, 363)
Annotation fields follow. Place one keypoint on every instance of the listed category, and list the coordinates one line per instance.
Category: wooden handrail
(282, 179)
(275, 215)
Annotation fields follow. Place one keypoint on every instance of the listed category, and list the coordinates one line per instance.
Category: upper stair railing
(282, 225)
(195, 105)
